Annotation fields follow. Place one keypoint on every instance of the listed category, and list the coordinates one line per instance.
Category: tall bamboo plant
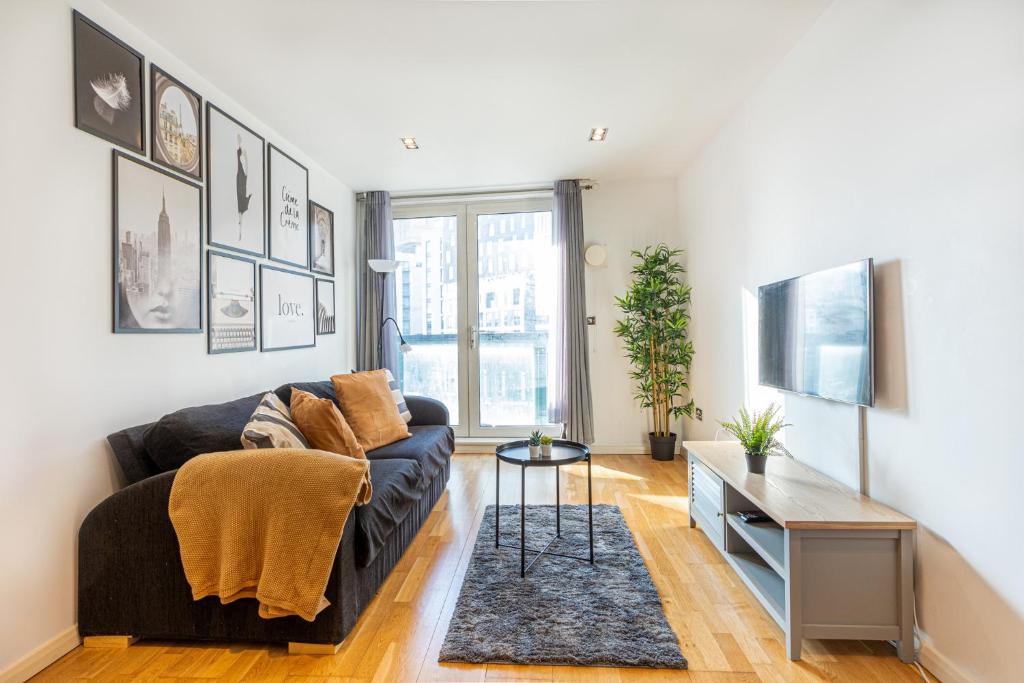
(656, 312)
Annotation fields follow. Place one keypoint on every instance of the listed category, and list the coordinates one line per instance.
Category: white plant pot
(534, 451)
(545, 450)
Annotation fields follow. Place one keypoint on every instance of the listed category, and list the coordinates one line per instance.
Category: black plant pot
(663, 447)
(756, 463)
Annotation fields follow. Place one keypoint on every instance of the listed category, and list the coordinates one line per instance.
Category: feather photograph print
(108, 86)
(112, 96)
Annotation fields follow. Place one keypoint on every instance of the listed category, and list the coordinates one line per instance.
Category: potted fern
(757, 434)
(653, 329)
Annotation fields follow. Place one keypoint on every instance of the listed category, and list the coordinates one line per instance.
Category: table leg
(522, 523)
(558, 505)
(497, 498)
(590, 509)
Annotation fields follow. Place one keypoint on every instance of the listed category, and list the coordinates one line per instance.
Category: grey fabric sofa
(130, 578)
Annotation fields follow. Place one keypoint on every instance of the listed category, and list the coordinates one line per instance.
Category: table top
(563, 452)
(796, 495)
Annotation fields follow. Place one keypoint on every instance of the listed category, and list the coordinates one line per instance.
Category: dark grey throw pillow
(319, 389)
(182, 435)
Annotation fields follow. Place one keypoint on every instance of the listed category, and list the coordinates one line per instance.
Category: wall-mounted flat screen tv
(816, 336)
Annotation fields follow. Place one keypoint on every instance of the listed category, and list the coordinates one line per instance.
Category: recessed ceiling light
(598, 134)
(410, 143)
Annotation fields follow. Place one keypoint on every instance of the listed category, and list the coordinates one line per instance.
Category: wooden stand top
(795, 495)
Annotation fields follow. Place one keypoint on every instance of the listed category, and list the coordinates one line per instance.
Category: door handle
(472, 336)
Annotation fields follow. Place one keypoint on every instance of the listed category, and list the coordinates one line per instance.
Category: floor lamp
(383, 267)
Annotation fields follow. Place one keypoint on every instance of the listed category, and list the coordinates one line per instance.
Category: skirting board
(42, 657)
(937, 664)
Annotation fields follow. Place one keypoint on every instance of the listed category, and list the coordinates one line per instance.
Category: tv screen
(815, 334)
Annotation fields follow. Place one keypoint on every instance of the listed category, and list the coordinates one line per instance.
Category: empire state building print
(157, 228)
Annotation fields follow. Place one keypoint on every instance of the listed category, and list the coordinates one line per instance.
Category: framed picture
(321, 239)
(174, 124)
(231, 302)
(288, 199)
(157, 249)
(235, 194)
(325, 307)
(108, 85)
(286, 309)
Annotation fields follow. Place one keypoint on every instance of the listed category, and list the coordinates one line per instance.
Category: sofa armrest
(426, 411)
(128, 557)
(131, 580)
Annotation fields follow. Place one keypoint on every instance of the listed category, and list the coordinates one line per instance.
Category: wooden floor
(726, 636)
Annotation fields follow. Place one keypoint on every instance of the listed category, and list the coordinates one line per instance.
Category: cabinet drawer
(705, 477)
(705, 484)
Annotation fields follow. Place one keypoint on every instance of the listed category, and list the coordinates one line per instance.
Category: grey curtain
(574, 407)
(376, 240)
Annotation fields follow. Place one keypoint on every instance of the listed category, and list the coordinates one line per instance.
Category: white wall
(67, 380)
(893, 130)
(623, 216)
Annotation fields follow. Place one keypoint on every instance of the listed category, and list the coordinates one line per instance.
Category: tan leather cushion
(323, 425)
(367, 404)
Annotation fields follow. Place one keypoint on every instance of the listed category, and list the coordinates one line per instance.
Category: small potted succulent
(535, 439)
(757, 434)
(545, 446)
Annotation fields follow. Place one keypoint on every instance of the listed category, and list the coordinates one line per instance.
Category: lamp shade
(381, 265)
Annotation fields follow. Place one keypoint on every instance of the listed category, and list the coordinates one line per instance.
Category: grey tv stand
(832, 564)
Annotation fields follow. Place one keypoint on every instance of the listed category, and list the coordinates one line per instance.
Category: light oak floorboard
(723, 631)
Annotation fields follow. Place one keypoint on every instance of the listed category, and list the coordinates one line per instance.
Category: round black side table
(562, 453)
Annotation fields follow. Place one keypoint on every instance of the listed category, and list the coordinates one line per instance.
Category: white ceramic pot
(534, 451)
(545, 450)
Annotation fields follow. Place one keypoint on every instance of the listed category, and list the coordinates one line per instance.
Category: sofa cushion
(272, 426)
(365, 400)
(323, 424)
(322, 389)
(397, 487)
(176, 438)
(396, 394)
(430, 446)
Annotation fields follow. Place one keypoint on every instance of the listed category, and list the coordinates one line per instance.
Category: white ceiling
(497, 93)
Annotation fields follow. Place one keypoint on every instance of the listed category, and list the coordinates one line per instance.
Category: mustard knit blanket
(265, 524)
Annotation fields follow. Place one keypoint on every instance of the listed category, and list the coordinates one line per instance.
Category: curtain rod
(585, 184)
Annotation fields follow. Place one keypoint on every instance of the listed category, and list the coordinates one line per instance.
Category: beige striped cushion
(271, 426)
(396, 393)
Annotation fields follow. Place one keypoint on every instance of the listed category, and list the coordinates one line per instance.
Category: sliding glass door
(477, 297)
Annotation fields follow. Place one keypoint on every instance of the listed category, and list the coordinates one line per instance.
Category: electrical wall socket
(591, 319)
(699, 414)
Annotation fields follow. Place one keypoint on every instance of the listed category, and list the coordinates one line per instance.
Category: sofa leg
(313, 648)
(109, 642)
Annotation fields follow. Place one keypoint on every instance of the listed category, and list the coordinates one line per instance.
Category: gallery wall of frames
(203, 167)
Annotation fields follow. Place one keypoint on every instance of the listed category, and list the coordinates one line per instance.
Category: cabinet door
(706, 506)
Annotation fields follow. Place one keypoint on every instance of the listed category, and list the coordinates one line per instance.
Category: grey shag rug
(565, 611)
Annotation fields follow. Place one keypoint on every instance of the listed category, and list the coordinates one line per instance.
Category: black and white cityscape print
(157, 234)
